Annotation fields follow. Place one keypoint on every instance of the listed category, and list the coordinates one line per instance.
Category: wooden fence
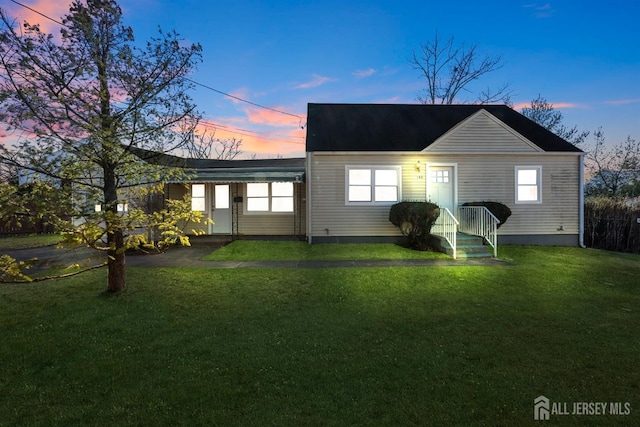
(612, 225)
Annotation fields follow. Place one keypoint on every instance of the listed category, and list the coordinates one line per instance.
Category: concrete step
(467, 246)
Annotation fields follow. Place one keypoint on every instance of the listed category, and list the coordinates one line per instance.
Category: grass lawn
(30, 241)
(252, 250)
(328, 347)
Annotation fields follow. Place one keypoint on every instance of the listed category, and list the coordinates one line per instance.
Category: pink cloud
(568, 105)
(265, 144)
(623, 101)
(556, 105)
(51, 9)
(242, 93)
(361, 74)
(264, 133)
(392, 100)
(272, 118)
(519, 106)
(317, 81)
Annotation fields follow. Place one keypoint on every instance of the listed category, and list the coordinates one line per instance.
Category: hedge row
(611, 225)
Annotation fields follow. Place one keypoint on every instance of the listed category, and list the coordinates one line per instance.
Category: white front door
(441, 187)
(221, 209)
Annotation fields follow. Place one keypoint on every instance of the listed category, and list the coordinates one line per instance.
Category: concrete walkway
(192, 257)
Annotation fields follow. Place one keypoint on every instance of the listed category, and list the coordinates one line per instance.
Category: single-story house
(263, 197)
(363, 158)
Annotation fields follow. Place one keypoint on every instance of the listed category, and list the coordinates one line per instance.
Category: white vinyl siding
(271, 224)
(327, 189)
(482, 133)
(480, 177)
(372, 185)
(492, 178)
(528, 185)
(254, 223)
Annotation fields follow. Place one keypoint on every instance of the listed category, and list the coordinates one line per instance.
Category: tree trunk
(116, 263)
(115, 235)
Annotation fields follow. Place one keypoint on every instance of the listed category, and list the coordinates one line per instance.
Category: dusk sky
(583, 57)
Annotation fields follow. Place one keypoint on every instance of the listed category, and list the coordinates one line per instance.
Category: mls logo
(541, 408)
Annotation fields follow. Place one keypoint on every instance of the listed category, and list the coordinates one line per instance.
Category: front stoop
(468, 246)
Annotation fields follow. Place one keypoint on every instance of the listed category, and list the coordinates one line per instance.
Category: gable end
(482, 132)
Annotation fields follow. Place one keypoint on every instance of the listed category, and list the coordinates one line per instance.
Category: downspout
(581, 198)
(308, 178)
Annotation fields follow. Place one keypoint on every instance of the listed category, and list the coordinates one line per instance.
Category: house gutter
(581, 201)
(309, 195)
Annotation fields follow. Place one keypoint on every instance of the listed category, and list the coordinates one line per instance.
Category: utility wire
(188, 79)
(214, 126)
(219, 125)
(35, 11)
(248, 102)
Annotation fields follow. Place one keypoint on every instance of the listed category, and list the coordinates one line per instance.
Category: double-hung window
(198, 197)
(372, 184)
(281, 197)
(275, 197)
(528, 184)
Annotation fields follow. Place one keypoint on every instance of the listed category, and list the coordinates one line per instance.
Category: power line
(188, 79)
(39, 13)
(248, 102)
(212, 123)
(237, 132)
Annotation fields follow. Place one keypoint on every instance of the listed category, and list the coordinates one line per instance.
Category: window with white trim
(275, 197)
(371, 185)
(197, 198)
(528, 184)
(281, 197)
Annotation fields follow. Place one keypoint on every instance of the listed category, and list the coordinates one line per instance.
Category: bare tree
(207, 146)
(92, 100)
(228, 148)
(543, 113)
(449, 69)
(615, 170)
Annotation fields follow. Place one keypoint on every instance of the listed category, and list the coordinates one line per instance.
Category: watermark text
(544, 408)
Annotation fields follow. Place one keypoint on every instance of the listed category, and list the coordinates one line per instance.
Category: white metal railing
(479, 221)
(446, 226)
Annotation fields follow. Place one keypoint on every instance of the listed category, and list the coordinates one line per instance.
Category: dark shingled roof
(212, 170)
(408, 127)
(170, 160)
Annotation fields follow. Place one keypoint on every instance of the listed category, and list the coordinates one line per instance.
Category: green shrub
(499, 210)
(415, 219)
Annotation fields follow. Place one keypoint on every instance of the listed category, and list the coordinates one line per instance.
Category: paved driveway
(191, 256)
(51, 257)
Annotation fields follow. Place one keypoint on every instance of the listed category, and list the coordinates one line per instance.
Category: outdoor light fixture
(418, 166)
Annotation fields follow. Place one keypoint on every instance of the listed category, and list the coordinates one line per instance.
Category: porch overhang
(239, 175)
